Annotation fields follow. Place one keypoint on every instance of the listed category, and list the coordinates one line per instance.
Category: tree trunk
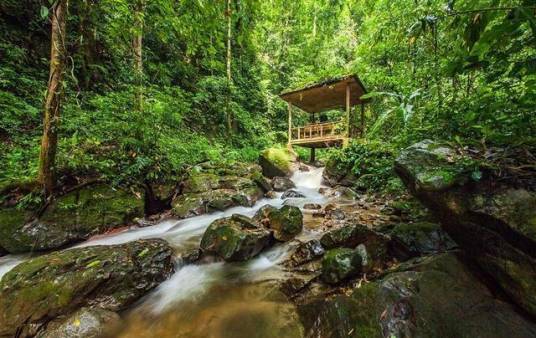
(53, 98)
(137, 48)
(228, 13)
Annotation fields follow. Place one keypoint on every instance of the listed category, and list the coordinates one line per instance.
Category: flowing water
(214, 299)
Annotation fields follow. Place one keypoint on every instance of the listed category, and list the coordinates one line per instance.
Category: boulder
(76, 216)
(282, 184)
(349, 236)
(211, 188)
(494, 223)
(275, 162)
(435, 297)
(286, 223)
(340, 264)
(292, 194)
(84, 323)
(55, 285)
(235, 238)
(306, 252)
(422, 238)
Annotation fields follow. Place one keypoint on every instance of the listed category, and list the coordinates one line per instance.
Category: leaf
(44, 12)
(93, 264)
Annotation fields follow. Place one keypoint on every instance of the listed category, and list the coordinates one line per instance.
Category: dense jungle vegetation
(148, 88)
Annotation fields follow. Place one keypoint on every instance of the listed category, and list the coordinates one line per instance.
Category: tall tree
(54, 97)
(228, 13)
(137, 48)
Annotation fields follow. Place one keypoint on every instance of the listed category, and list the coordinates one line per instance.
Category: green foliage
(371, 162)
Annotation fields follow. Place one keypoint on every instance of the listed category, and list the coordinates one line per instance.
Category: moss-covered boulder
(209, 188)
(275, 162)
(84, 323)
(493, 222)
(285, 223)
(422, 238)
(236, 238)
(434, 297)
(58, 284)
(340, 264)
(348, 236)
(73, 217)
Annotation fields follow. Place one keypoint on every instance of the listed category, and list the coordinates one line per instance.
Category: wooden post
(313, 156)
(290, 125)
(362, 119)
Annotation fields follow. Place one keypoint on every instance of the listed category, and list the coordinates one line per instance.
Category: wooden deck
(320, 135)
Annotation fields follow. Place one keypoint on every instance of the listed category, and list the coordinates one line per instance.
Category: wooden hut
(340, 93)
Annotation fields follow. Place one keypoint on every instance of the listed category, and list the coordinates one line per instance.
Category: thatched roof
(327, 95)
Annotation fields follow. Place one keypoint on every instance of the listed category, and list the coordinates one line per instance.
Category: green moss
(281, 158)
(95, 209)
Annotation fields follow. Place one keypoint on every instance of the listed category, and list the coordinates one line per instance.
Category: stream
(215, 299)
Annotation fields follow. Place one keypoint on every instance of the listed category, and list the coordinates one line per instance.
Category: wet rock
(285, 223)
(262, 216)
(437, 297)
(493, 222)
(85, 323)
(304, 168)
(275, 162)
(74, 217)
(307, 252)
(422, 238)
(340, 264)
(335, 214)
(348, 236)
(312, 206)
(292, 194)
(294, 285)
(50, 286)
(282, 184)
(209, 188)
(190, 256)
(3, 252)
(236, 238)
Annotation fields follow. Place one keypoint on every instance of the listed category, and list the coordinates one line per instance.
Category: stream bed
(215, 299)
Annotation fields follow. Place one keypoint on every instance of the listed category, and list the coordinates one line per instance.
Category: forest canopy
(151, 87)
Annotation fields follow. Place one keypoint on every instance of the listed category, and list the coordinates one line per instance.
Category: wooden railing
(319, 131)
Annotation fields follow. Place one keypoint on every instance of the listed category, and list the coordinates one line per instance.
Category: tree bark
(137, 48)
(53, 100)
(228, 13)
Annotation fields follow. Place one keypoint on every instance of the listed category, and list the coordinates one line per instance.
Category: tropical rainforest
(147, 187)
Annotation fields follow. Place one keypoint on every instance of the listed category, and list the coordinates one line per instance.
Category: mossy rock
(54, 285)
(70, 218)
(275, 162)
(340, 264)
(355, 316)
(494, 222)
(433, 166)
(188, 205)
(422, 238)
(286, 223)
(236, 238)
(201, 182)
(349, 236)
(433, 297)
